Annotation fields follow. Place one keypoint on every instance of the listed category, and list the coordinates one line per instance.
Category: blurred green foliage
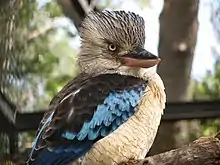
(45, 58)
(209, 89)
(48, 59)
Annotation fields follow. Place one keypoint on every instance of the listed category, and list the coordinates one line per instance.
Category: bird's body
(133, 138)
(111, 111)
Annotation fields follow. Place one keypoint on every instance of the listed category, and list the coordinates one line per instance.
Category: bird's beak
(141, 58)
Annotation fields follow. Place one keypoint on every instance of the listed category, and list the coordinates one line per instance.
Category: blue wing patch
(114, 111)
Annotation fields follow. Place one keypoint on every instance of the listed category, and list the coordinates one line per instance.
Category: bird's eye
(112, 47)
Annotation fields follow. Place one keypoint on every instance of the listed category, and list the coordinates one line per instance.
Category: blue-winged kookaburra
(111, 111)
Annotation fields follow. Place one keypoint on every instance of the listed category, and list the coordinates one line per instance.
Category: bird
(110, 112)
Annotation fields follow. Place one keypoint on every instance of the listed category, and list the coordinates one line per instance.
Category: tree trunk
(178, 34)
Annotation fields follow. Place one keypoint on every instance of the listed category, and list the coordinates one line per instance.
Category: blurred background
(39, 43)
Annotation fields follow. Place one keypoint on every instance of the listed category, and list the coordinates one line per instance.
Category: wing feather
(86, 110)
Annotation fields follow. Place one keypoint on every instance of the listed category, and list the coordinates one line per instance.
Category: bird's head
(113, 42)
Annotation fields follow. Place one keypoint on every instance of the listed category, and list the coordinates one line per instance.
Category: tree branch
(204, 151)
(76, 10)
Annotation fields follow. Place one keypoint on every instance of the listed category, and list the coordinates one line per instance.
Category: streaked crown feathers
(114, 26)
